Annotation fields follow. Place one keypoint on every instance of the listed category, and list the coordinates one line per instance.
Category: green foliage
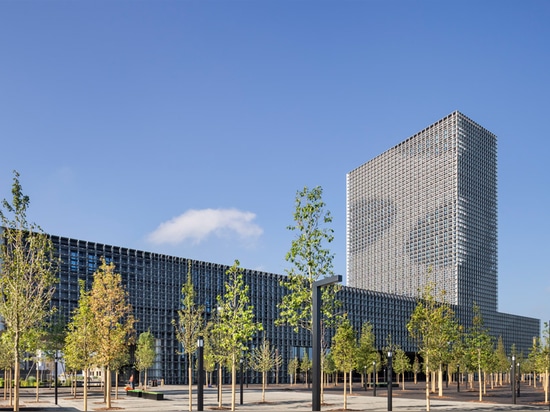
(114, 321)
(478, 344)
(189, 325)
(235, 326)
(262, 358)
(433, 326)
(366, 352)
(310, 261)
(293, 366)
(306, 363)
(344, 347)
(401, 362)
(81, 341)
(145, 351)
(27, 278)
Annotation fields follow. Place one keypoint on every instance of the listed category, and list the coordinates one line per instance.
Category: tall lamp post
(200, 382)
(519, 378)
(316, 358)
(513, 379)
(56, 358)
(374, 378)
(241, 380)
(390, 380)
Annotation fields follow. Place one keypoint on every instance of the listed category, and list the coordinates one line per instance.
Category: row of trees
(101, 329)
(443, 341)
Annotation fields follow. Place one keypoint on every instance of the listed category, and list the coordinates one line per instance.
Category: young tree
(366, 352)
(81, 339)
(189, 326)
(293, 366)
(145, 354)
(543, 359)
(27, 276)
(401, 364)
(277, 363)
(305, 366)
(236, 326)
(262, 360)
(433, 326)
(344, 350)
(114, 321)
(479, 347)
(502, 359)
(416, 368)
(310, 259)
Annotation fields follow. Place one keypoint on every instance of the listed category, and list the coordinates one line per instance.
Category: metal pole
(316, 335)
(513, 380)
(390, 381)
(242, 382)
(55, 378)
(374, 378)
(200, 381)
(458, 378)
(519, 379)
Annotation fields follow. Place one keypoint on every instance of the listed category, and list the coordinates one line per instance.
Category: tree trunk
(116, 384)
(351, 382)
(220, 374)
(479, 379)
(85, 390)
(233, 380)
(10, 386)
(264, 373)
(190, 382)
(440, 380)
(37, 384)
(108, 387)
(345, 392)
(546, 386)
(16, 378)
(427, 387)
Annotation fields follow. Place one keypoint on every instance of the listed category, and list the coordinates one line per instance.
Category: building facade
(425, 211)
(154, 283)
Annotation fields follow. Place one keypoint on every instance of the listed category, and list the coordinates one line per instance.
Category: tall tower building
(425, 211)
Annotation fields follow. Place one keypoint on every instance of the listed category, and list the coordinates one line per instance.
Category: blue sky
(203, 118)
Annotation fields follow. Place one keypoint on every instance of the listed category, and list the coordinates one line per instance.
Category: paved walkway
(281, 398)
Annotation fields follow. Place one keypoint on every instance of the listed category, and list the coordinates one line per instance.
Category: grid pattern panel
(425, 211)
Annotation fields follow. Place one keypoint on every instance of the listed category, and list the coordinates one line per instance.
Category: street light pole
(316, 358)
(200, 382)
(374, 378)
(513, 379)
(241, 362)
(458, 378)
(390, 379)
(55, 377)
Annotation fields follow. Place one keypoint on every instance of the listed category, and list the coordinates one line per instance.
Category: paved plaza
(297, 398)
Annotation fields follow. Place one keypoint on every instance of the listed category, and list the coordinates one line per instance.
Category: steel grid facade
(426, 211)
(154, 282)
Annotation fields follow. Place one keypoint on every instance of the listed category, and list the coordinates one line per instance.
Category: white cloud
(197, 225)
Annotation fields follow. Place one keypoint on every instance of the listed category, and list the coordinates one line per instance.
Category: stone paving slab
(277, 399)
